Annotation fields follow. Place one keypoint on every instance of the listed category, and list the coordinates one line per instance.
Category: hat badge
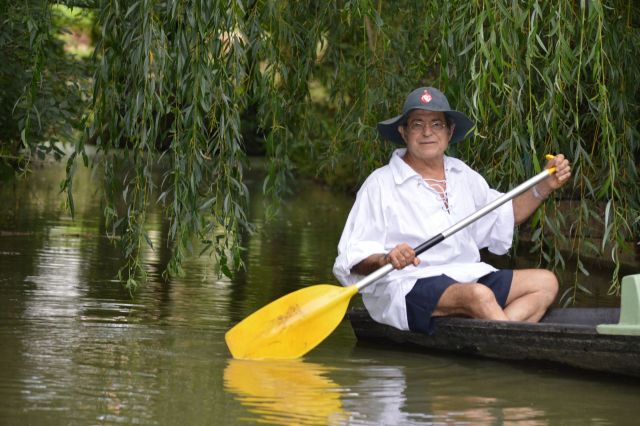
(426, 97)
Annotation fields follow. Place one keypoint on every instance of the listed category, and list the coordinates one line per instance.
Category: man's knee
(480, 299)
(470, 299)
(549, 284)
(479, 293)
(529, 281)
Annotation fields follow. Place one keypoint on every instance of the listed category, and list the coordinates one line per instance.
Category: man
(419, 194)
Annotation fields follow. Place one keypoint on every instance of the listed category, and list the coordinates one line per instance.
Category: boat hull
(564, 336)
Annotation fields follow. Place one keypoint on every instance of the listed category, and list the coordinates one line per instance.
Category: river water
(77, 348)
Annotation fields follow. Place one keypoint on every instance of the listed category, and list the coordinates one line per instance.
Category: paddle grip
(428, 244)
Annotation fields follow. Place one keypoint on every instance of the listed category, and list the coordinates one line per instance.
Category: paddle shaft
(381, 272)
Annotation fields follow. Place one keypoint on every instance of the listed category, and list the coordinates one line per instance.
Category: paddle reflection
(286, 392)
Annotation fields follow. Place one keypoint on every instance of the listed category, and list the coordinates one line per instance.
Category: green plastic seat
(629, 323)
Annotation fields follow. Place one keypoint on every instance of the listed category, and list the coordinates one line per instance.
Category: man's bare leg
(532, 292)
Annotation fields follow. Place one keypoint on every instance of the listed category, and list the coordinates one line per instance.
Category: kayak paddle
(292, 325)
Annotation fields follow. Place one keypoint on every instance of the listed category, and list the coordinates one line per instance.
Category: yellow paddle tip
(551, 170)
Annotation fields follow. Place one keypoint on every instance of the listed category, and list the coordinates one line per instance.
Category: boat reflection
(286, 392)
(431, 390)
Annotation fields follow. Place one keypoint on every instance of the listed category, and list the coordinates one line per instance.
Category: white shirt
(395, 205)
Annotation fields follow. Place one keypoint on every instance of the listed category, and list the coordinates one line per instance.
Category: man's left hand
(560, 177)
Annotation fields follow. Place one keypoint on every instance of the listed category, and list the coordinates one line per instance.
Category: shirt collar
(403, 172)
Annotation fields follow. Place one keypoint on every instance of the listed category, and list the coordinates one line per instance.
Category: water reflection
(389, 387)
(425, 391)
(77, 348)
(386, 385)
(416, 391)
(286, 392)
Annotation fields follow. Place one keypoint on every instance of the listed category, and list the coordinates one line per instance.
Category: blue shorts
(425, 294)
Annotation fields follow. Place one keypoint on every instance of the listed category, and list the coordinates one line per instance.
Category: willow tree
(177, 82)
(172, 81)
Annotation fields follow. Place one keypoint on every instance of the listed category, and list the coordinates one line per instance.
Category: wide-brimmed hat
(428, 99)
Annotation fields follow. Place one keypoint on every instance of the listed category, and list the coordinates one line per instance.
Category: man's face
(426, 134)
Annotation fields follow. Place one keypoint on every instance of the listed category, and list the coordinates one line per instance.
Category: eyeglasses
(421, 126)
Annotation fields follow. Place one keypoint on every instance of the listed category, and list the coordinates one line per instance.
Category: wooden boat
(569, 336)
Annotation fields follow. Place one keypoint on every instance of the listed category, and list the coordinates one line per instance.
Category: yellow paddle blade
(291, 326)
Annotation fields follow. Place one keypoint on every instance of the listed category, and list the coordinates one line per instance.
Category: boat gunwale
(555, 320)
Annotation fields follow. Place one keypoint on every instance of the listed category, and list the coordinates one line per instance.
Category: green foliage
(172, 81)
(42, 97)
(178, 85)
(76, 29)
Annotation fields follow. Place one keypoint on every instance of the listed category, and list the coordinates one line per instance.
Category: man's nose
(427, 130)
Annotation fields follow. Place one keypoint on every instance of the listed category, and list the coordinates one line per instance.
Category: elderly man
(422, 192)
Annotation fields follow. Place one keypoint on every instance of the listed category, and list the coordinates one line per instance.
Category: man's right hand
(401, 256)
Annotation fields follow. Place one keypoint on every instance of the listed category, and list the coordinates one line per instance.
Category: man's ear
(452, 129)
(401, 131)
